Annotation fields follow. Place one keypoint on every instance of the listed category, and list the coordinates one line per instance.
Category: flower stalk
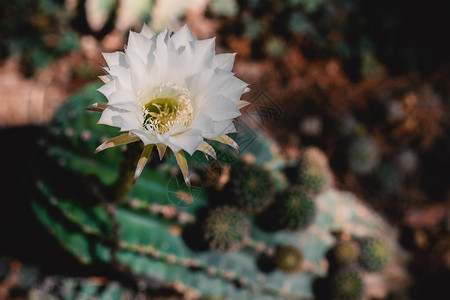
(124, 182)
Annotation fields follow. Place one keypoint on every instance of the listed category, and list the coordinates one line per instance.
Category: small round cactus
(275, 47)
(288, 259)
(346, 252)
(347, 284)
(251, 188)
(296, 208)
(375, 254)
(313, 173)
(227, 229)
(364, 155)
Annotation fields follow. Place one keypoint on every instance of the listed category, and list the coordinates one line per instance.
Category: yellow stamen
(167, 106)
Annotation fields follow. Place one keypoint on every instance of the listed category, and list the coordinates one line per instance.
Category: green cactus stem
(124, 181)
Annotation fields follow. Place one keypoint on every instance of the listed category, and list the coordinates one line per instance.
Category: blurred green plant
(41, 34)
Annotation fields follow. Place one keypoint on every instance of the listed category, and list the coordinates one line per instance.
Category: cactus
(288, 259)
(227, 229)
(347, 284)
(25, 281)
(375, 254)
(346, 252)
(151, 236)
(363, 155)
(314, 174)
(251, 188)
(296, 208)
(57, 287)
(275, 47)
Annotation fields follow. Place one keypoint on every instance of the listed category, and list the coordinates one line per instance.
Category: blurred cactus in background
(375, 254)
(347, 285)
(363, 156)
(227, 229)
(346, 252)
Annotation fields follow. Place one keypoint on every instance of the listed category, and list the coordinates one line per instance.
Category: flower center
(167, 105)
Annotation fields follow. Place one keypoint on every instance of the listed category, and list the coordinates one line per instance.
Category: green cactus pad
(251, 188)
(296, 208)
(375, 254)
(347, 284)
(313, 172)
(346, 252)
(288, 259)
(227, 229)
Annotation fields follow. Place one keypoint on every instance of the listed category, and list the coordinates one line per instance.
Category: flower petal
(225, 139)
(161, 150)
(183, 36)
(224, 61)
(105, 78)
(115, 59)
(107, 117)
(108, 88)
(97, 107)
(222, 128)
(147, 31)
(203, 123)
(233, 88)
(139, 71)
(208, 149)
(122, 139)
(123, 74)
(142, 161)
(181, 160)
(129, 121)
(188, 140)
(146, 136)
(220, 108)
(120, 97)
(241, 104)
(139, 44)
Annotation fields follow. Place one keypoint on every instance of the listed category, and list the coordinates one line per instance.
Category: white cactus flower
(170, 91)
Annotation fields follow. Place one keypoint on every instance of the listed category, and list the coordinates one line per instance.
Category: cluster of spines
(346, 252)
(296, 208)
(288, 259)
(251, 188)
(347, 284)
(375, 254)
(313, 172)
(352, 255)
(227, 229)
